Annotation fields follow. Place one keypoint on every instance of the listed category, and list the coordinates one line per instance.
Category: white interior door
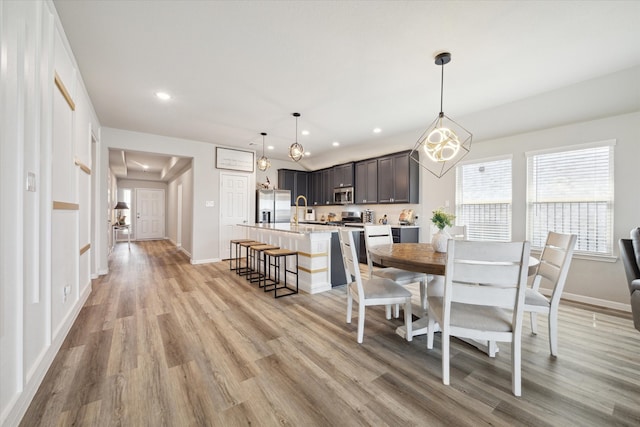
(149, 213)
(234, 209)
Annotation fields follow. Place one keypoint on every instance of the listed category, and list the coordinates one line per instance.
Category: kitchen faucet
(295, 217)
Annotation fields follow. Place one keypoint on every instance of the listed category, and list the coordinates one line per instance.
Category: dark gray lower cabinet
(400, 235)
(405, 234)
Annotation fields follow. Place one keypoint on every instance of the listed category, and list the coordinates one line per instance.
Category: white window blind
(483, 199)
(571, 191)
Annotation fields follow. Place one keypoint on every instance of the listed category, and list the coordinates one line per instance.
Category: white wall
(40, 250)
(186, 180)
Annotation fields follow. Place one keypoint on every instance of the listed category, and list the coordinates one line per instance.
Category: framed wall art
(237, 160)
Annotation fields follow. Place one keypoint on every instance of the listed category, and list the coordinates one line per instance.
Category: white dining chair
(484, 289)
(373, 291)
(381, 235)
(458, 232)
(551, 274)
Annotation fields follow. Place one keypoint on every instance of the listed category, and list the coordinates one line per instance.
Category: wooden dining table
(422, 258)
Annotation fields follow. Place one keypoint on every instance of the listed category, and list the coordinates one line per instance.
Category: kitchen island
(320, 264)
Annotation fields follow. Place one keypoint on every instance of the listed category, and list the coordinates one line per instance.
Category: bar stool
(272, 258)
(256, 251)
(243, 271)
(235, 242)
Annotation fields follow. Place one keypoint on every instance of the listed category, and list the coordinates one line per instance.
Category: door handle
(138, 215)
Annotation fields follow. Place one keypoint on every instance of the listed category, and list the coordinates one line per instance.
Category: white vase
(439, 241)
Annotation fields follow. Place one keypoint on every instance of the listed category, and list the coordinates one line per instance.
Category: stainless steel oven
(343, 195)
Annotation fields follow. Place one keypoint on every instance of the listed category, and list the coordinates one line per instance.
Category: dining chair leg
(349, 304)
(553, 332)
(430, 331)
(408, 320)
(516, 379)
(445, 357)
(534, 323)
(387, 311)
(361, 308)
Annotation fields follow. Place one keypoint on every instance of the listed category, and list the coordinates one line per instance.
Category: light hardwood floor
(161, 342)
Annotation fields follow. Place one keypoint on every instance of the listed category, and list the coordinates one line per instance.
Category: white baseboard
(590, 300)
(21, 403)
(103, 272)
(204, 261)
(184, 251)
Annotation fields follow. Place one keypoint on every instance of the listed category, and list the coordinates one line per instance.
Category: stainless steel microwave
(343, 195)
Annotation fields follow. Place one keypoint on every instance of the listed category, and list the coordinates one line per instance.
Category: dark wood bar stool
(257, 258)
(272, 258)
(247, 269)
(234, 246)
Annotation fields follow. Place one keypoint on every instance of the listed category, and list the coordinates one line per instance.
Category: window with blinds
(483, 199)
(571, 191)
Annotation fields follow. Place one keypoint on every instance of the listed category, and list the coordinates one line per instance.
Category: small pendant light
(296, 151)
(263, 162)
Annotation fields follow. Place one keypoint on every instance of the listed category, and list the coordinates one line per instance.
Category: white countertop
(293, 228)
(312, 228)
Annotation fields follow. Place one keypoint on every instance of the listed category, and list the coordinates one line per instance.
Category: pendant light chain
(441, 87)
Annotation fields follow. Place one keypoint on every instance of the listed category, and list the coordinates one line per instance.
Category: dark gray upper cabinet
(327, 186)
(320, 188)
(343, 175)
(398, 179)
(295, 181)
(316, 192)
(366, 183)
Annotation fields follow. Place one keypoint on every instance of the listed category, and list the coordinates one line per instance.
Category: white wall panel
(39, 136)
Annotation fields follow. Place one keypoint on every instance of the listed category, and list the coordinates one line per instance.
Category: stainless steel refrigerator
(273, 206)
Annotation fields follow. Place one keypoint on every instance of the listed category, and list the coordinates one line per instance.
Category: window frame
(529, 232)
(458, 195)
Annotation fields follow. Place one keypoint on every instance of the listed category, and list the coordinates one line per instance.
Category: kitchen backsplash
(392, 211)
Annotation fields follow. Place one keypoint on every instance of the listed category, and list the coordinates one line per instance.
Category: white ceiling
(237, 68)
(145, 166)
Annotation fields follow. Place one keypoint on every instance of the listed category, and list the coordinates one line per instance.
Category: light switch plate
(209, 204)
(31, 181)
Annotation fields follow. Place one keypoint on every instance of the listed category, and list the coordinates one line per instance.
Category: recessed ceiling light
(305, 132)
(335, 143)
(307, 153)
(377, 130)
(270, 147)
(163, 95)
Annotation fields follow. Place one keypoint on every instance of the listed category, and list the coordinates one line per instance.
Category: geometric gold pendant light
(296, 151)
(444, 143)
(263, 163)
